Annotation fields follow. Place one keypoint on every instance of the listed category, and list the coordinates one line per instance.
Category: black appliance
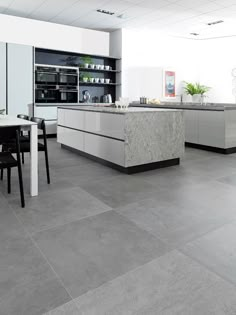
(46, 93)
(46, 75)
(68, 94)
(68, 77)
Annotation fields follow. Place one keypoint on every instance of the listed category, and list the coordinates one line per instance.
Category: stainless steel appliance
(46, 75)
(46, 93)
(68, 94)
(68, 77)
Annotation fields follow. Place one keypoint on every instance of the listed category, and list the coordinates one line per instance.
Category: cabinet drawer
(71, 138)
(105, 148)
(105, 124)
(71, 118)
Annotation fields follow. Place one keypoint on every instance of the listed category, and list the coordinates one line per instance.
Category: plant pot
(86, 65)
(196, 98)
(85, 79)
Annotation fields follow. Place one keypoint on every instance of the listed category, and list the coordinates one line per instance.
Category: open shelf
(97, 84)
(98, 70)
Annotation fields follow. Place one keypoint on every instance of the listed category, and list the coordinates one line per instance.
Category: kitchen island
(130, 140)
(211, 126)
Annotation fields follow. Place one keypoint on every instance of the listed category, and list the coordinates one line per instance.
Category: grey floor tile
(35, 298)
(121, 189)
(57, 207)
(89, 252)
(171, 284)
(216, 250)
(66, 309)
(230, 179)
(174, 224)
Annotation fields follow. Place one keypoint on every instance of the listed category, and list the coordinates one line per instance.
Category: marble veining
(153, 137)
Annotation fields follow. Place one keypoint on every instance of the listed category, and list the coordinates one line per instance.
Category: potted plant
(87, 61)
(196, 90)
(85, 77)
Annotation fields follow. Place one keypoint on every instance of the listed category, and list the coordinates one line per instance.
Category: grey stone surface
(153, 137)
(172, 284)
(191, 202)
(87, 253)
(66, 309)
(217, 251)
(48, 209)
(120, 190)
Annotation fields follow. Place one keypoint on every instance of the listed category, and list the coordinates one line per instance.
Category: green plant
(84, 75)
(86, 59)
(195, 88)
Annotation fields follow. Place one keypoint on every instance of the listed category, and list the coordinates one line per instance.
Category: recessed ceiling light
(105, 12)
(215, 22)
(194, 34)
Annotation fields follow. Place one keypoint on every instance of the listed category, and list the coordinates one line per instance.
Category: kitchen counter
(130, 140)
(113, 110)
(211, 127)
(190, 106)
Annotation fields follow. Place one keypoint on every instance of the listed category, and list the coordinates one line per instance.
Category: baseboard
(126, 170)
(212, 149)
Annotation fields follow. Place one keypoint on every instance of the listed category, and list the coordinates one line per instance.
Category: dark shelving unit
(96, 90)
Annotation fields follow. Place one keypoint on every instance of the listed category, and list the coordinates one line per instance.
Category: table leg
(34, 160)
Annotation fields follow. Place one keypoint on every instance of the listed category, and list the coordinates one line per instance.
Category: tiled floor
(97, 242)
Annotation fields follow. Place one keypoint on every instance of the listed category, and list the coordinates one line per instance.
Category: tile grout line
(208, 268)
(43, 255)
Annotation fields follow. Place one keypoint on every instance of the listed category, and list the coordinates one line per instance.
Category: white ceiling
(175, 17)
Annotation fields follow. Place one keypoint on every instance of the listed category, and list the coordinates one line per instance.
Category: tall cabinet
(3, 76)
(20, 91)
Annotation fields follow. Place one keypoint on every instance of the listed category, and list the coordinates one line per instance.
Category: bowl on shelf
(107, 80)
(107, 67)
(102, 67)
(91, 80)
(98, 67)
(92, 66)
(102, 80)
(96, 80)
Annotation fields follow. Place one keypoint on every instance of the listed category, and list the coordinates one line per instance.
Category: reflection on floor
(99, 242)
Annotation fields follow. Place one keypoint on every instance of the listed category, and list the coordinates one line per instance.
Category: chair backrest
(9, 133)
(40, 122)
(22, 116)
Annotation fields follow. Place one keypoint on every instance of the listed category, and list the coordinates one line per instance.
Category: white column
(34, 160)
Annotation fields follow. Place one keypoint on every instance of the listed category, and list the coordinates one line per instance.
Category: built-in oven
(68, 77)
(68, 94)
(46, 75)
(46, 93)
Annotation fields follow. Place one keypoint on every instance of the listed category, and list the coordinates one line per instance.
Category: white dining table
(10, 121)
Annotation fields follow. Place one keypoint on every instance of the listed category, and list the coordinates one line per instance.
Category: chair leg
(47, 166)
(20, 171)
(23, 157)
(2, 174)
(9, 180)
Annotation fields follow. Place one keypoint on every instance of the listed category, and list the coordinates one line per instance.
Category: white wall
(146, 54)
(55, 36)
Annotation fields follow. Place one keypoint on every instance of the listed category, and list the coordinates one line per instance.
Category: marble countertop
(191, 106)
(113, 110)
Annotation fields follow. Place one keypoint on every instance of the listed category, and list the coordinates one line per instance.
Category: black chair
(23, 138)
(7, 160)
(25, 145)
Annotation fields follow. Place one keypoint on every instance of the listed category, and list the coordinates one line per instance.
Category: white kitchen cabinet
(191, 125)
(212, 128)
(71, 138)
(105, 148)
(105, 124)
(3, 76)
(19, 78)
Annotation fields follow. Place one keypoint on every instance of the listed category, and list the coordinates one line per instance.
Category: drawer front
(71, 118)
(71, 138)
(105, 148)
(105, 124)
